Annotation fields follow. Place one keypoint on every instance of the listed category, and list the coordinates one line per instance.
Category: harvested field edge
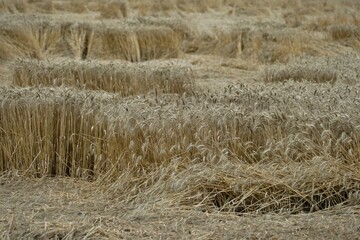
(235, 154)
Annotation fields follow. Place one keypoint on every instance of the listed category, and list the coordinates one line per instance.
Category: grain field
(232, 119)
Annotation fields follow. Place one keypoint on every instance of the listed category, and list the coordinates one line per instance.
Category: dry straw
(288, 148)
(121, 77)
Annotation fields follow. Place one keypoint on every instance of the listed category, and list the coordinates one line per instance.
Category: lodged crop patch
(263, 150)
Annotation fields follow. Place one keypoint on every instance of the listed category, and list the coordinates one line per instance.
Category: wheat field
(232, 119)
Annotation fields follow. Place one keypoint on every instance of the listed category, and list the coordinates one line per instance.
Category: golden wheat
(123, 78)
(290, 144)
(13, 6)
(139, 43)
(315, 69)
(114, 9)
(236, 149)
(39, 38)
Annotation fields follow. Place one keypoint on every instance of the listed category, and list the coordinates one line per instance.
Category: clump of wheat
(232, 151)
(147, 7)
(217, 42)
(42, 6)
(339, 32)
(315, 69)
(139, 43)
(75, 6)
(39, 37)
(27, 39)
(298, 72)
(264, 44)
(114, 9)
(347, 35)
(323, 23)
(121, 77)
(199, 6)
(13, 6)
(290, 147)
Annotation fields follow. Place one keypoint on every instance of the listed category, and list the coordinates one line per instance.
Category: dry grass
(277, 149)
(123, 78)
